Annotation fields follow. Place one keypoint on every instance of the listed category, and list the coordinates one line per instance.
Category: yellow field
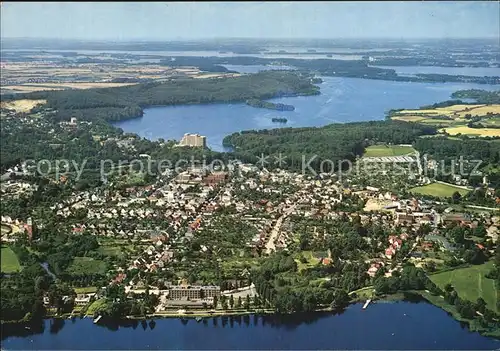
(482, 111)
(409, 118)
(21, 105)
(455, 111)
(492, 132)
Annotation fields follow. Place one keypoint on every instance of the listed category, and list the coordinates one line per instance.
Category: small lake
(341, 100)
(383, 326)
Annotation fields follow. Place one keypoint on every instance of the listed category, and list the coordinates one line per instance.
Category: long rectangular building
(193, 292)
(194, 140)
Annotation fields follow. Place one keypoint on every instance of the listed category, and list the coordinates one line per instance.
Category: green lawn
(86, 265)
(86, 290)
(96, 306)
(112, 250)
(470, 283)
(9, 261)
(438, 189)
(386, 150)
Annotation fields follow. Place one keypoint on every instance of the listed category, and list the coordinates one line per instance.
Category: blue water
(341, 100)
(465, 71)
(388, 326)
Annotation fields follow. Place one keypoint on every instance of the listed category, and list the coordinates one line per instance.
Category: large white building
(193, 140)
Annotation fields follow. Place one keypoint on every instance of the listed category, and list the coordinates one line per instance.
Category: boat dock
(366, 304)
(97, 319)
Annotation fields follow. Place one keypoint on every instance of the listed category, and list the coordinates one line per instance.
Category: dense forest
(479, 95)
(113, 104)
(333, 142)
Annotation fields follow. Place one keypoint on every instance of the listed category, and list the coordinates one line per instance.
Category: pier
(366, 304)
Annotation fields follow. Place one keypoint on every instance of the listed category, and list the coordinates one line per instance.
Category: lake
(341, 100)
(400, 325)
(411, 71)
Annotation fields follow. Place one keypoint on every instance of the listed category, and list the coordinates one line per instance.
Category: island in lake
(279, 120)
(269, 105)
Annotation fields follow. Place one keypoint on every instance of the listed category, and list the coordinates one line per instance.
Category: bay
(383, 326)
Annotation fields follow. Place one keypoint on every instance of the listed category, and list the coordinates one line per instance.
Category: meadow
(387, 150)
(86, 265)
(470, 283)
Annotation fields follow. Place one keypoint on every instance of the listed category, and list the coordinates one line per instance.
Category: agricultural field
(387, 150)
(9, 261)
(470, 283)
(439, 190)
(481, 132)
(20, 106)
(453, 119)
(86, 265)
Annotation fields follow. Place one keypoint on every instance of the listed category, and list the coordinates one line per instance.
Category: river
(399, 325)
(341, 100)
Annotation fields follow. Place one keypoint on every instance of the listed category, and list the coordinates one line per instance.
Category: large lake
(341, 100)
(383, 326)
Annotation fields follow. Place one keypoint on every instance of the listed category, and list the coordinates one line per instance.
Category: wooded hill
(114, 104)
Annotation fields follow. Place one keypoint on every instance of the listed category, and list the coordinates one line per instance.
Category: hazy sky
(188, 20)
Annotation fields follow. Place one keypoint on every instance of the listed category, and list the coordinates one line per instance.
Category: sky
(204, 20)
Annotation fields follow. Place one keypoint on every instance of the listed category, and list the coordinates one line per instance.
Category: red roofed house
(389, 252)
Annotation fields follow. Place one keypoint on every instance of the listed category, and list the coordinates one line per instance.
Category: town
(190, 239)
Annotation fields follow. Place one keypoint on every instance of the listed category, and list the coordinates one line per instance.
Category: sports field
(470, 283)
(438, 189)
(387, 150)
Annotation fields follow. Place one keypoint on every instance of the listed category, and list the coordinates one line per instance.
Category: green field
(438, 189)
(88, 265)
(9, 261)
(470, 283)
(387, 150)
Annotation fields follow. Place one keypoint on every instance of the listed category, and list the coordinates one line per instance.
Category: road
(270, 247)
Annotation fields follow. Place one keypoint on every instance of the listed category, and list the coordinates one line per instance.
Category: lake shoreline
(403, 296)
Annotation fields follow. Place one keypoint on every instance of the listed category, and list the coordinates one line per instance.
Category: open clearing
(21, 105)
(86, 265)
(484, 132)
(387, 150)
(376, 205)
(9, 261)
(438, 189)
(470, 283)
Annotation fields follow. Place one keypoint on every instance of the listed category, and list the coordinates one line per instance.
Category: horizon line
(245, 38)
